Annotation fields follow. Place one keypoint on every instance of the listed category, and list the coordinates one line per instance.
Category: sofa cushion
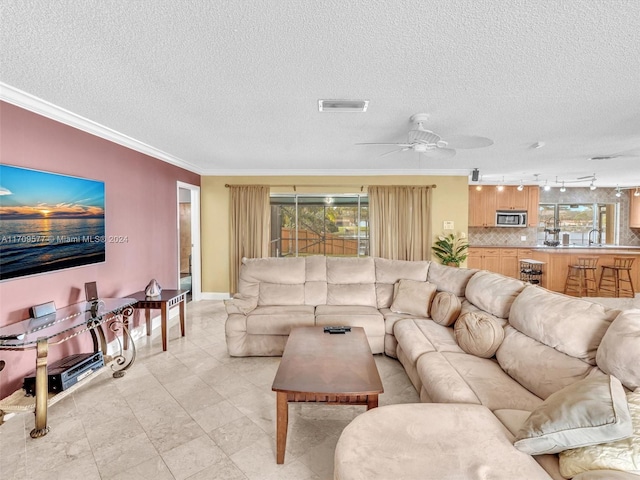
(281, 294)
(413, 297)
(620, 455)
(619, 351)
(467, 307)
(587, 412)
(478, 334)
(450, 279)
(384, 294)
(352, 294)
(316, 268)
(391, 271)
(553, 319)
(279, 320)
(315, 293)
(493, 293)
(289, 270)
(390, 319)
(347, 270)
(445, 308)
(449, 377)
(430, 441)
(539, 368)
(417, 336)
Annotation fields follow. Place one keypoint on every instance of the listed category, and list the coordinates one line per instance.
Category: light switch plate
(523, 238)
(448, 225)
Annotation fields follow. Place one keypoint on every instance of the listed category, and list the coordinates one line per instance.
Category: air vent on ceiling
(343, 105)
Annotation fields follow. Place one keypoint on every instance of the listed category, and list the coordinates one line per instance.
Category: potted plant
(451, 250)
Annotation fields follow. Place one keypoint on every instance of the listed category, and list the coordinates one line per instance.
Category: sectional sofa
(516, 381)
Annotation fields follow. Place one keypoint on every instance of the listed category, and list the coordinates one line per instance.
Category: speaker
(43, 309)
(475, 175)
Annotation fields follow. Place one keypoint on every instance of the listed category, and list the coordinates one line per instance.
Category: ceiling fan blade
(394, 151)
(397, 144)
(468, 141)
(439, 153)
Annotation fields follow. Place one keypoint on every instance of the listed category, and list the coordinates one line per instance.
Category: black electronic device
(66, 372)
(42, 310)
(475, 175)
(337, 329)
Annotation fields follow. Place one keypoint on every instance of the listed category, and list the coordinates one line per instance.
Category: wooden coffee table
(336, 369)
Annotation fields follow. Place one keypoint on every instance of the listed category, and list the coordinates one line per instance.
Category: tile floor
(192, 413)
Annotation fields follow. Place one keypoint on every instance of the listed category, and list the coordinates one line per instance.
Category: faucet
(598, 236)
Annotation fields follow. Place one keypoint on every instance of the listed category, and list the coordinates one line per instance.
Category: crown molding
(37, 105)
(334, 173)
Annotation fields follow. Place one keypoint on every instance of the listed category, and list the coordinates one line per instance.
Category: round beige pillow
(478, 334)
(445, 308)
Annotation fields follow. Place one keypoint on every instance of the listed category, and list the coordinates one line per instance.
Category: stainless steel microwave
(511, 218)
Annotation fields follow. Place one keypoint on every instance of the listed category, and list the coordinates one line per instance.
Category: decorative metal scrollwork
(122, 362)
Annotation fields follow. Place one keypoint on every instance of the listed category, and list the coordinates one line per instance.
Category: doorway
(189, 240)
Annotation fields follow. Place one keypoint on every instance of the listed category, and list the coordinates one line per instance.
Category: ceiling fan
(431, 144)
(634, 152)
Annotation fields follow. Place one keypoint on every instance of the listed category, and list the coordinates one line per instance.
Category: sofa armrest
(240, 304)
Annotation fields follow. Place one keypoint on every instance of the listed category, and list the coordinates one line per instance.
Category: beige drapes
(250, 226)
(400, 222)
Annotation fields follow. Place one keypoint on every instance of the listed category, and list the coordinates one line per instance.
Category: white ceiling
(231, 87)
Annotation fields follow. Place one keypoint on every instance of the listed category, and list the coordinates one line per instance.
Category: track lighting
(592, 186)
(636, 193)
(618, 192)
(521, 186)
(563, 188)
(500, 187)
(546, 187)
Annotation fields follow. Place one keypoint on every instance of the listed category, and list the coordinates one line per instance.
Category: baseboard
(215, 296)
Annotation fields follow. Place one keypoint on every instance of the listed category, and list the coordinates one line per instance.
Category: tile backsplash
(500, 236)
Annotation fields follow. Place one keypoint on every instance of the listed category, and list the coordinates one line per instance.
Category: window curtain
(400, 222)
(250, 226)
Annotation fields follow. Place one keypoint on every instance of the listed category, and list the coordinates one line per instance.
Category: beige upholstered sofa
(495, 351)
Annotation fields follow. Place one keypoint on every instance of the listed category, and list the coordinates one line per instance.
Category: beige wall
(450, 202)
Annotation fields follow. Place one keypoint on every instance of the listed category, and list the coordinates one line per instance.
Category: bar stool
(616, 279)
(581, 278)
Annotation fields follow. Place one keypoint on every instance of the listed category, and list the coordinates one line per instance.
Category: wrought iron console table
(59, 327)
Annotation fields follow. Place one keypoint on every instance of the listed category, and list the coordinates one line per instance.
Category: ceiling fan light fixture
(357, 106)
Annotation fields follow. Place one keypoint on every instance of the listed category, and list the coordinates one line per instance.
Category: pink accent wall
(140, 203)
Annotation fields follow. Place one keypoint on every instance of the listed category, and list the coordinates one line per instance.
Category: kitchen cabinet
(509, 263)
(510, 198)
(533, 199)
(482, 206)
(484, 259)
(634, 210)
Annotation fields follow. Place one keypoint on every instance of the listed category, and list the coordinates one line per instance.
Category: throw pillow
(445, 308)
(413, 297)
(587, 412)
(478, 334)
(620, 455)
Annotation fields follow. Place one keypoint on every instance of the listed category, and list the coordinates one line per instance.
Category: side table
(163, 302)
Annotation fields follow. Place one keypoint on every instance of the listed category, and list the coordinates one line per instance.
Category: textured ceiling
(231, 87)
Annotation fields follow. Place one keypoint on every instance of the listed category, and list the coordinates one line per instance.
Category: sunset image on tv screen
(48, 222)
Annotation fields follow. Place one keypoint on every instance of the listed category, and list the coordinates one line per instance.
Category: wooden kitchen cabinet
(509, 263)
(510, 198)
(482, 206)
(484, 259)
(484, 203)
(533, 195)
(634, 210)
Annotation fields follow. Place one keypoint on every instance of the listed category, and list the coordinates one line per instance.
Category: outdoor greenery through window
(332, 225)
(585, 223)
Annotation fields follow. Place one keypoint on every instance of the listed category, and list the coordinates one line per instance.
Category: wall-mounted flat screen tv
(48, 222)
